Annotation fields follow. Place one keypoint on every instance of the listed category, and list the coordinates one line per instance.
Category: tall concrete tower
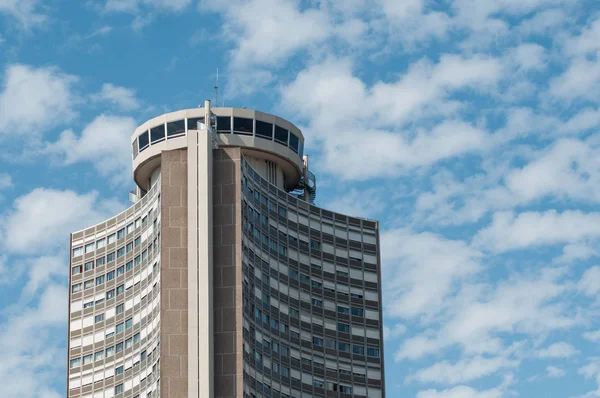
(224, 279)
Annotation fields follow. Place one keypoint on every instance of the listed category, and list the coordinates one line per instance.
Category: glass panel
(193, 122)
(264, 130)
(176, 127)
(242, 125)
(293, 142)
(281, 135)
(135, 148)
(157, 133)
(223, 124)
(301, 149)
(143, 140)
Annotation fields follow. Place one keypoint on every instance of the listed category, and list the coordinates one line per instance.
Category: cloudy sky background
(470, 128)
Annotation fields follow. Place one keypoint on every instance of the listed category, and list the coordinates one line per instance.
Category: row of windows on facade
(303, 219)
(112, 238)
(224, 125)
(111, 293)
(107, 353)
(271, 347)
(267, 321)
(107, 332)
(140, 359)
(110, 257)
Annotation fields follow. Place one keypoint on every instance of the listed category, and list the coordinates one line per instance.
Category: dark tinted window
(242, 125)
(281, 135)
(157, 133)
(174, 128)
(193, 122)
(143, 140)
(223, 124)
(264, 130)
(293, 142)
(301, 149)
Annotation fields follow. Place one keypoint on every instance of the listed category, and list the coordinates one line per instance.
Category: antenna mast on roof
(217, 89)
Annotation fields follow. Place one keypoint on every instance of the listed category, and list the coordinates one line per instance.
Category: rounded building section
(114, 305)
(311, 298)
(273, 145)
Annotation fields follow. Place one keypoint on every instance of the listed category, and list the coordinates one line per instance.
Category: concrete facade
(218, 282)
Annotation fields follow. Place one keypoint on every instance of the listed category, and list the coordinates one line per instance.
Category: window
(358, 350)
(137, 260)
(266, 344)
(157, 133)
(120, 289)
(330, 344)
(110, 257)
(110, 294)
(100, 261)
(143, 356)
(285, 352)
(294, 313)
(281, 135)
(285, 372)
(264, 130)
(110, 351)
(76, 270)
(343, 310)
(143, 140)
(136, 338)
(293, 142)
(88, 266)
(343, 347)
(304, 278)
(99, 301)
(128, 342)
(358, 312)
(282, 211)
(87, 359)
(121, 233)
(144, 255)
(223, 124)
(78, 251)
(120, 308)
(89, 304)
(99, 355)
(137, 242)
(120, 252)
(317, 303)
(110, 276)
(177, 127)
(343, 327)
(119, 370)
(75, 363)
(120, 270)
(315, 283)
(318, 341)
(89, 247)
(130, 228)
(99, 280)
(128, 323)
(88, 284)
(373, 352)
(129, 247)
(129, 266)
(119, 328)
(99, 318)
(282, 249)
(242, 125)
(119, 347)
(111, 239)
(119, 388)
(192, 123)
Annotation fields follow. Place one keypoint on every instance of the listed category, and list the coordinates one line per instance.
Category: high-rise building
(223, 279)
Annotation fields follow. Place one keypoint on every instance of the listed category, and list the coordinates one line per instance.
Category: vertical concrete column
(200, 265)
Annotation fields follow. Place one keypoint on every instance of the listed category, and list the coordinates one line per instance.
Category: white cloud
(530, 229)
(590, 281)
(409, 259)
(363, 203)
(577, 251)
(35, 99)
(392, 333)
(54, 214)
(465, 370)
(588, 41)
(353, 119)
(26, 12)
(558, 350)
(123, 98)
(554, 372)
(105, 142)
(461, 392)
(581, 80)
(42, 270)
(133, 6)
(592, 336)
(543, 22)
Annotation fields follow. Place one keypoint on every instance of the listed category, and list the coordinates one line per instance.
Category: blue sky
(470, 128)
